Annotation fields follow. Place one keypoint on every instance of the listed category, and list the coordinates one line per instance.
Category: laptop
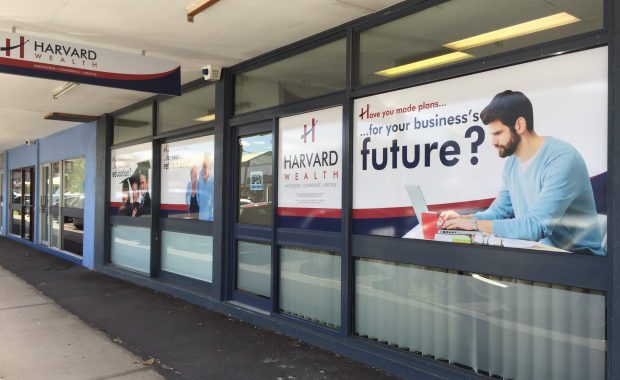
(419, 206)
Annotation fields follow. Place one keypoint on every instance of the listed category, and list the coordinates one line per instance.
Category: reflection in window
(16, 186)
(196, 106)
(485, 27)
(133, 124)
(254, 268)
(255, 179)
(187, 255)
(313, 73)
(310, 285)
(131, 248)
(496, 326)
(74, 183)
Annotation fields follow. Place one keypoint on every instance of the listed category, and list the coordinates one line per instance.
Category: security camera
(211, 72)
(28, 142)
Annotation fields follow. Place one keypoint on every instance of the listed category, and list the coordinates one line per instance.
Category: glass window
(16, 186)
(310, 285)
(55, 226)
(74, 183)
(131, 248)
(476, 29)
(254, 268)
(496, 326)
(194, 107)
(255, 179)
(130, 189)
(316, 72)
(187, 255)
(187, 179)
(133, 124)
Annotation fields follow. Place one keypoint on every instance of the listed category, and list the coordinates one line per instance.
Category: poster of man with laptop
(546, 194)
(515, 156)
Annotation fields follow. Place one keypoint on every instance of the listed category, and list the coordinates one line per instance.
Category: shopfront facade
(301, 192)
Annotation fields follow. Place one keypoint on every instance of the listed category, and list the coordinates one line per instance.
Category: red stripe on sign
(173, 207)
(310, 212)
(81, 72)
(8, 47)
(115, 204)
(403, 212)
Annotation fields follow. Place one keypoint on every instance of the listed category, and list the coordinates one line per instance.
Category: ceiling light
(538, 25)
(69, 117)
(197, 7)
(423, 64)
(489, 281)
(59, 91)
(206, 118)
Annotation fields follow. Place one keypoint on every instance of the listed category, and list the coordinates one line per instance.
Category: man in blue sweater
(546, 194)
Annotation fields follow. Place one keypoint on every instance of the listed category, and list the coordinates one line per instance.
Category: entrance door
(22, 202)
(251, 277)
(44, 227)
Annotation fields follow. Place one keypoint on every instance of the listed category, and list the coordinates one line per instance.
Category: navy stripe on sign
(169, 85)
(321, 224)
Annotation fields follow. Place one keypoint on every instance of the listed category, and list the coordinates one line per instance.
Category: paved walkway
(38, 339)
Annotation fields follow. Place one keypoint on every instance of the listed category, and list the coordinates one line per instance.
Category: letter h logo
(307, 132)
(7, 47)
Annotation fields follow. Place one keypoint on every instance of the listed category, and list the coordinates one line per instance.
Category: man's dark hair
(507, 107)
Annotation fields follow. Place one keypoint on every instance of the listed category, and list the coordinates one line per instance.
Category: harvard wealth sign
(38, 57)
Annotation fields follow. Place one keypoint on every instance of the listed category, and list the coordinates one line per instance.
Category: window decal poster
(130, 181)
(513, 157)
(187, 179)
(310, 170)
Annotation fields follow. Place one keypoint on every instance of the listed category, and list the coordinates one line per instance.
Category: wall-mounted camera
(211, 72)
(31, 142)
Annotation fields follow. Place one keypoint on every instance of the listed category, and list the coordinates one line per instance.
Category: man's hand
(451, 214)
(459, 224)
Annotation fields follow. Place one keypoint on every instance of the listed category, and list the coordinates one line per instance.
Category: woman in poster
(204, 190)
(191, 194)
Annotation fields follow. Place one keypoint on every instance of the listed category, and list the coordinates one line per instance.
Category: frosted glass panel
(495, 326)
(254, 268)
(187, 255)
(131, 248)
(310, 285)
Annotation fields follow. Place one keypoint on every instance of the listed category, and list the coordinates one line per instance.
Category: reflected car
(255, 213)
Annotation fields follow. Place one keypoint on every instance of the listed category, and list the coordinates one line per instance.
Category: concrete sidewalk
(187, 341)
(40, 340)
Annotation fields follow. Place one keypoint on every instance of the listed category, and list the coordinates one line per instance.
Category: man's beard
(510, 148)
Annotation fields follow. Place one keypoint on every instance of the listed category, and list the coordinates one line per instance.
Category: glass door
(56, 204)
(44, 227)
(252, 247)
(16, 203)
(28, 203)
(22, 204)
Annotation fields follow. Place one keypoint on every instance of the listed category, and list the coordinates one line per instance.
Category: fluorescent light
(206, 118)
(59, 91)
(538, 25)
(423, 64)
(489, 281)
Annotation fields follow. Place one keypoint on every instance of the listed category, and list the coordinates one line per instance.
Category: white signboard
(39, 57)
(310, 164)
(187, 179)
(429, 145)
(130, 181)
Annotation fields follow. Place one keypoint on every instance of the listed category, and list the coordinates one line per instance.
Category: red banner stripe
(80, 72)
(173, 207)
(402, 212)
(310, 212)
(115, 204)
